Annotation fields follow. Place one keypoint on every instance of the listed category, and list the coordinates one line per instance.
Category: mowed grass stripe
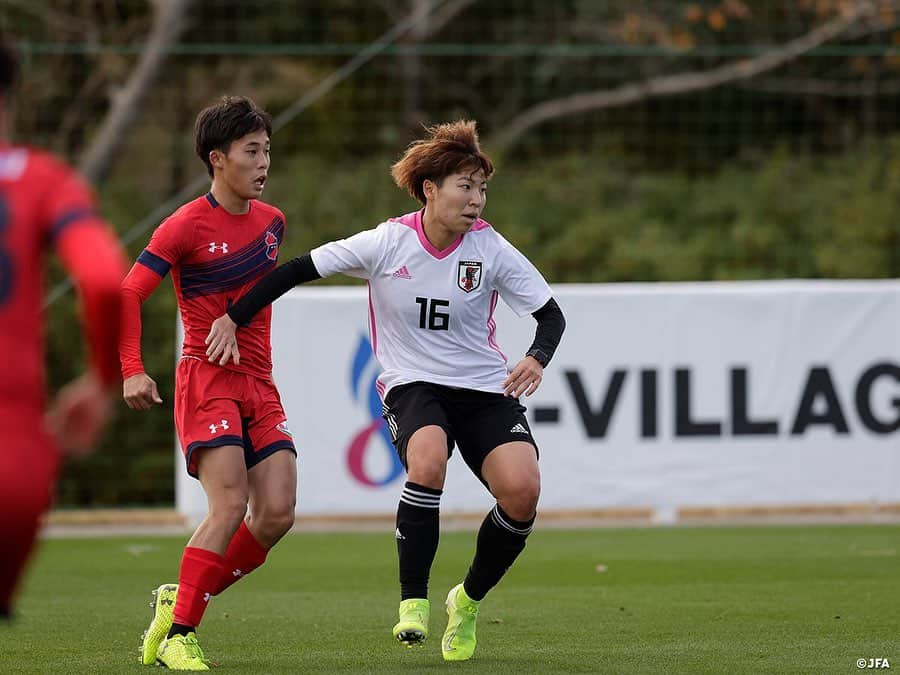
(677, 600)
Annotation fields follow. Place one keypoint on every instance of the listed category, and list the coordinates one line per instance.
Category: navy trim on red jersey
(243, 254)
(233, 270)
(212, 200)
(154, 262)
(70, 217)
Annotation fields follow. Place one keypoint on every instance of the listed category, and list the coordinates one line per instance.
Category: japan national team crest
(468, 277)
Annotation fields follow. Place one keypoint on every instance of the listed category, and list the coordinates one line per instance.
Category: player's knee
(520, 502)
(275, 520)
(282, 522)
(428, 467)
(229, 510)
(520, 509)
(428, 473)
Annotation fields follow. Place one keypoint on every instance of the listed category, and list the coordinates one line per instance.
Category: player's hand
(222, 341)
(140, 392)
(525, 378)
(79, 414)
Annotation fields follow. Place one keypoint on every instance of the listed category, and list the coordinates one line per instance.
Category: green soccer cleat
(412, 629)
(458, 643)
(163, 605)
(181, 652)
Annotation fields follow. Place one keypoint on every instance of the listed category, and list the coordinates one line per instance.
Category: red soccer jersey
(44, 203)
(215, 257)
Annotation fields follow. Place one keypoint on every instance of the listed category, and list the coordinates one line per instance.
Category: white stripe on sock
(424, 499)
(502, 522)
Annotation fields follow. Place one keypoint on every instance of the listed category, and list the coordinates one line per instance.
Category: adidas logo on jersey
(398, 535)
(402, 273)
(518, 429)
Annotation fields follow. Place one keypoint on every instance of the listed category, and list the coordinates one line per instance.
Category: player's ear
(216, 158)
(428, 188)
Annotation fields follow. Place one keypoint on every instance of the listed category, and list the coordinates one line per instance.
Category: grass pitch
(670, 600)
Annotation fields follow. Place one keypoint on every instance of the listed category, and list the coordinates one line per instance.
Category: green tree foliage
(791, 174)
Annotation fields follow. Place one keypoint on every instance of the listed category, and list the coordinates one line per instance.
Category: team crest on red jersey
(271, 245)
(468, 276)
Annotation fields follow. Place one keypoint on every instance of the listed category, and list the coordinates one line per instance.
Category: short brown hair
(225, 122)
(450, 148)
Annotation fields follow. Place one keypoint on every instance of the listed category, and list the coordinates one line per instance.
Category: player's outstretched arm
(221, 342)
(81, 410)
(526, 376)
(96, 263)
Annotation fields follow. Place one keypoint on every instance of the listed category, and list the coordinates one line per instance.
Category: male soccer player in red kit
(230, 420)
(43, 205)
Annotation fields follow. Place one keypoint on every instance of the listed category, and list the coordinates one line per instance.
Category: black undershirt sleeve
(550, 326)
(272, 286)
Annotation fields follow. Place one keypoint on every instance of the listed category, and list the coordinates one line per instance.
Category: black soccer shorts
(475, 421)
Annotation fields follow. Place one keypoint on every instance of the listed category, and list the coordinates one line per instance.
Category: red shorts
(216, 407)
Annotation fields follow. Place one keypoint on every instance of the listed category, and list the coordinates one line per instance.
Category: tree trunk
(168, 24)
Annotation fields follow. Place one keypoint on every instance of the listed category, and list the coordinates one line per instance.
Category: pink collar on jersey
(414, 221)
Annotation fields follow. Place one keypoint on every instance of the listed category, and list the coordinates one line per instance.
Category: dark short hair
(9, 66)
(219, 125)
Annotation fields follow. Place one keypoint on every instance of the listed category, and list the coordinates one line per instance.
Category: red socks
(244, 554)
(200, 573)
(204, 573)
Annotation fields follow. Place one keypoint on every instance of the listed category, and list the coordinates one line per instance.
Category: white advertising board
(660, 396)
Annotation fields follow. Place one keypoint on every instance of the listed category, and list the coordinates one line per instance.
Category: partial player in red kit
(44, 205)
(230, 420)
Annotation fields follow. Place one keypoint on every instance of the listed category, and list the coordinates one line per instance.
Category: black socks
(500, 541)
(418, 527)
(180, 629)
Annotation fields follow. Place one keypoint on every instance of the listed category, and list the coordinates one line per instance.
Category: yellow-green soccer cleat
(163, 605)
(458, 643)
(412, 629)
(181, 652)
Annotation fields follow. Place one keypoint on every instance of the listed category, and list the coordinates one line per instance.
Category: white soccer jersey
(431, 312)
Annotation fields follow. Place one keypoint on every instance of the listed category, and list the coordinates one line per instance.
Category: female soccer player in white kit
(435, 276)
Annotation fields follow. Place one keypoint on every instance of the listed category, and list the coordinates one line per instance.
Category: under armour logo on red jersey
(213, 247)
(213, 428)
(402, 273)
(271, 246)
